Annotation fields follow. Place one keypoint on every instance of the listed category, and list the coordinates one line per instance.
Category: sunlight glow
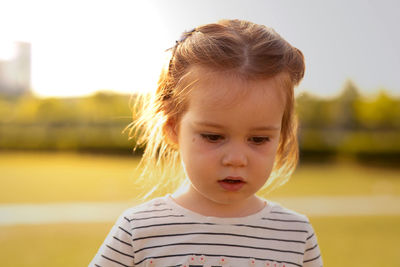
(117, 48)
(7, 50)
(79, 47)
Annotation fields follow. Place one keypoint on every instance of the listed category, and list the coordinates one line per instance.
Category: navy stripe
(316, 245)
(220, 234)
(310, 236)
(120, 263)
(221, 245)
(239, 225)
(281, 212)
(280, 220)
(167, 224)
(313, 259)
(148, 211)
(154, 217)
(126, 243)
(124, 230)
(215, 255)
(270, 228)
(122, 253)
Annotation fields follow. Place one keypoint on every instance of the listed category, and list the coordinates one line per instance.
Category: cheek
(204, 151)
(264, 157)
(268, 150)
(264, 160)
(195, 151)
(196, 144)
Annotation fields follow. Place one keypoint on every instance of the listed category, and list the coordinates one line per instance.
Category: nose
(234, 156)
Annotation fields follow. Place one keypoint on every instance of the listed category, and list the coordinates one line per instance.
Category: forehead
(223, 90)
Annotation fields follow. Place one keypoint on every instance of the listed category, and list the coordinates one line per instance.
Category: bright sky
(80, 46)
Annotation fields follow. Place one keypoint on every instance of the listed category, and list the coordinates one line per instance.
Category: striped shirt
(161, 233)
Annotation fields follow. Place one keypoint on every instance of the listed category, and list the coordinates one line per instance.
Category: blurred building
(15, 73)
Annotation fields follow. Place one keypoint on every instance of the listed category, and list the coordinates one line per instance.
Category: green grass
(66, 177)
(345, 242)
(346, 178)
(359, 241)
(61, 245)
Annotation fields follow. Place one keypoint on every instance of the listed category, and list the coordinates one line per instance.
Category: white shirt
(162, 233)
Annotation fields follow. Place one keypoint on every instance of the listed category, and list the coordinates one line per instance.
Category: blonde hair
(250, 51)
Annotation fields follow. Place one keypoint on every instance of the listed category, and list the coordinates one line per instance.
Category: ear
(170, 130)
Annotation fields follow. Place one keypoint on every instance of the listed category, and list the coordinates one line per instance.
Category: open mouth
(232, 183)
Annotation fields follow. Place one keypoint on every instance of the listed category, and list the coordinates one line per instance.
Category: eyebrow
(218, 126)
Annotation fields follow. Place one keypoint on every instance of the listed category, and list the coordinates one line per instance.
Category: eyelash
(261, 139)
(214, 138)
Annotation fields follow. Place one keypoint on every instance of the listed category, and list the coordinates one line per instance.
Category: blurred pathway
(13, 214)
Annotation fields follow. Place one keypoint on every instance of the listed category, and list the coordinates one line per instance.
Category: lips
(231, 183)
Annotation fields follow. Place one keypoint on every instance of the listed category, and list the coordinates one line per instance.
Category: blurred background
(69, 71)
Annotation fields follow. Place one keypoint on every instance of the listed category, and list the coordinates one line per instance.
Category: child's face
(228, 137)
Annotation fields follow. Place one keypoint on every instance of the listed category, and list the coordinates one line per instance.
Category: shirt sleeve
(117, 249)
(312, 253)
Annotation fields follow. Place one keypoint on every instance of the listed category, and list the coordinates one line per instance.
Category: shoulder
(279, 215)
(299, 226)
(277, 210)
(154, 207)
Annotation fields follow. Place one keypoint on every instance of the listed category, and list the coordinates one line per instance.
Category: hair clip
(185, 35)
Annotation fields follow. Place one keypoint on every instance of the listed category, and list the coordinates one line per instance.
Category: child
(225, 108)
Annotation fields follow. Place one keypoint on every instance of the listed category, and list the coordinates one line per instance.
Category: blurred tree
(349, 124)
(344, 106)
(106, 107)
(382, 112)
(313, 112)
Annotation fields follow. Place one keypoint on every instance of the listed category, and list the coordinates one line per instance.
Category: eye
(212, 138)
(259, 140)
